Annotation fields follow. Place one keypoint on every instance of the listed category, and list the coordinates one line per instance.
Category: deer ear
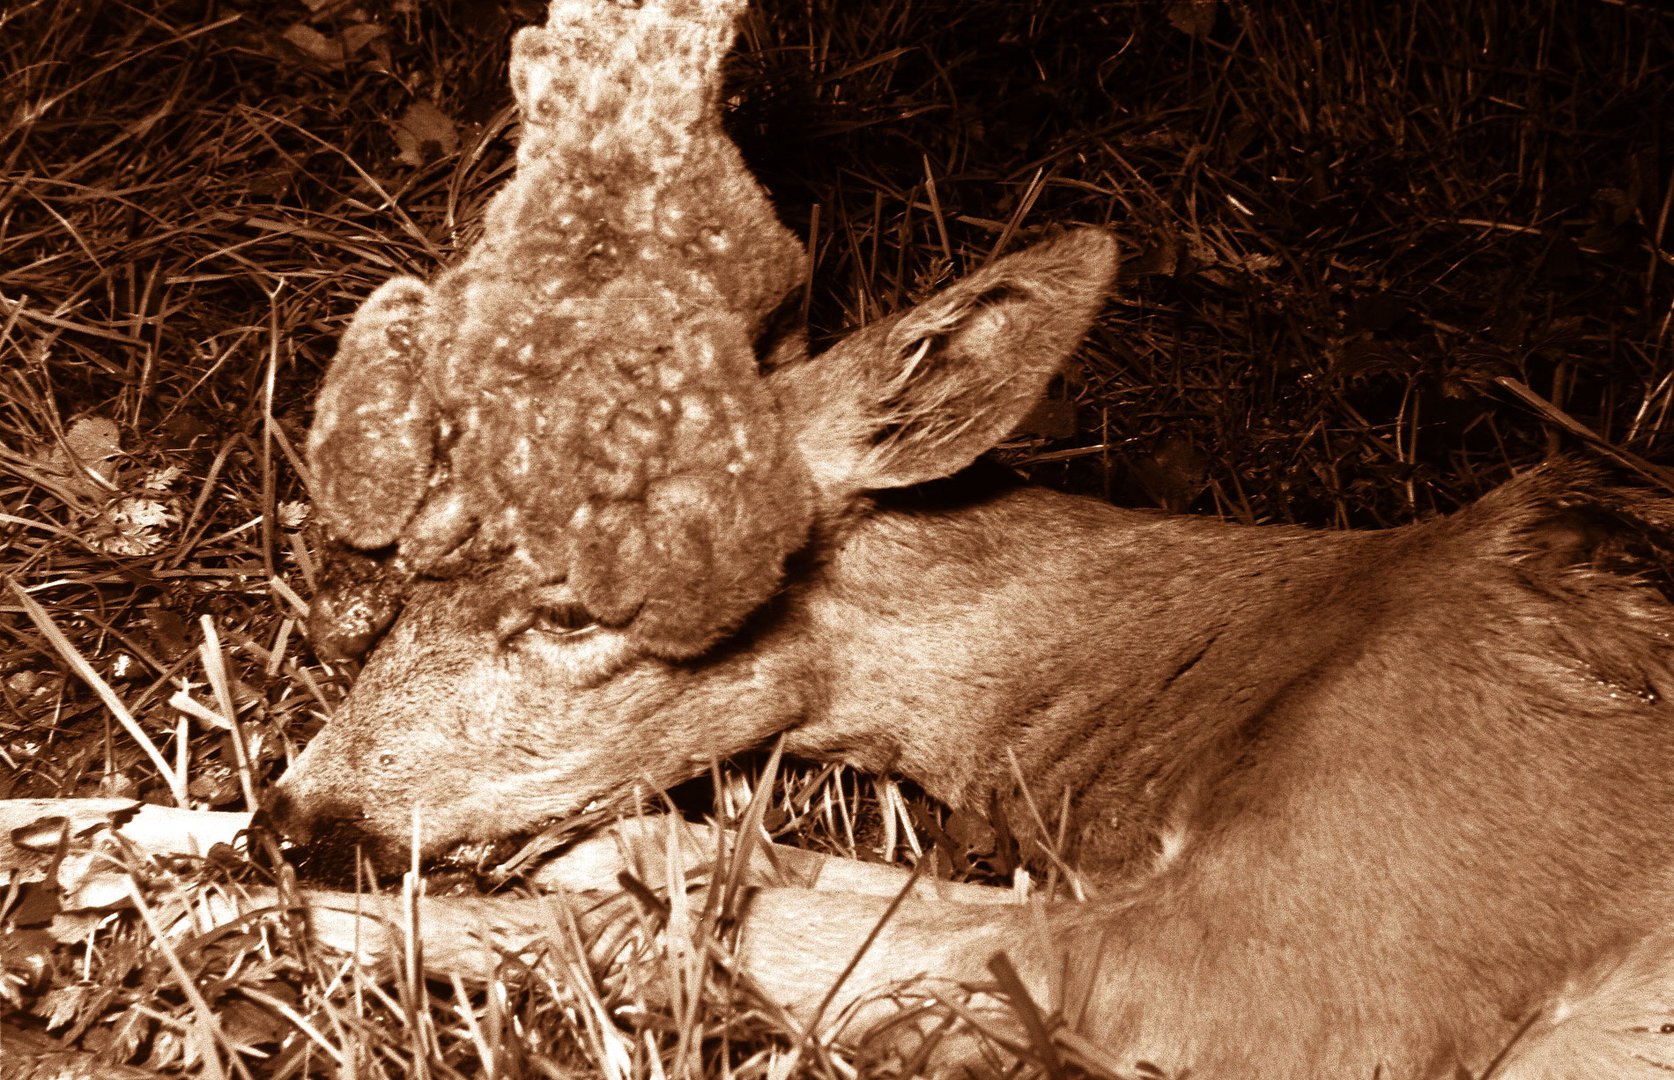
(372, 441)
(920, 395)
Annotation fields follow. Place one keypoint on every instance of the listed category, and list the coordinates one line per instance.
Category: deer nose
(330, 841)
(313, 821)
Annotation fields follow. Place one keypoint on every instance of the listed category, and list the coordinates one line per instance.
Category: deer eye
(565, 618)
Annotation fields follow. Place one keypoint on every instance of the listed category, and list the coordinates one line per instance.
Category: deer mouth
(514, 856)
(346, 856)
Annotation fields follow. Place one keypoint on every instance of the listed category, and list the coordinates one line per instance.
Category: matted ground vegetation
(1376, 257)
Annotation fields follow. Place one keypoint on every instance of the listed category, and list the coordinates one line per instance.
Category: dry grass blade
(78, 663)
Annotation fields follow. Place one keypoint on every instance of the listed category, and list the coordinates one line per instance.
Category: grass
(1351, 233)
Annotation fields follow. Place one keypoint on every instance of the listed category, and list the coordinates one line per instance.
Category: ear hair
(371, 445)
(920, 395)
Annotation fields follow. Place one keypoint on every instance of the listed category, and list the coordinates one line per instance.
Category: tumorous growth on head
(579, 397)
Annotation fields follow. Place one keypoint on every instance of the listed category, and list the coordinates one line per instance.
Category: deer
(1348, 803)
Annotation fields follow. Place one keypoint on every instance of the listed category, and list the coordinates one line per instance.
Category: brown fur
(1351, 800)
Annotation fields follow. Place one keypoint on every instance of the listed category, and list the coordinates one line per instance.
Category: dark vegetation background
(1351, 232)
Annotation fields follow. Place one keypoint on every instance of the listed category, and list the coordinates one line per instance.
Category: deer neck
(1090, 645)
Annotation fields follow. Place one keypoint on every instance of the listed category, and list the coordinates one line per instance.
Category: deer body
(1351, 801)
(1356, 799)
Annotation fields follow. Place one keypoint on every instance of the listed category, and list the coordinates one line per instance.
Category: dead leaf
(134, 524)
(313, 44)
(1193, 17)
(333, 51)
(86, 452)
(292, 514)
(425, 133)
(1173, 472)
(358, 36)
